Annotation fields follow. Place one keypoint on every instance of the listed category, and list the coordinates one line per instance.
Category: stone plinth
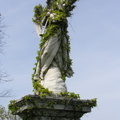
(33, 107)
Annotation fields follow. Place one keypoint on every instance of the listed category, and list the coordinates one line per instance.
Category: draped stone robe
(54, 58)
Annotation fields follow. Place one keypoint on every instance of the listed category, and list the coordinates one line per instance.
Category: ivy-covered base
(34, 107)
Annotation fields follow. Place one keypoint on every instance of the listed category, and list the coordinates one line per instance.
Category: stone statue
(53, 61)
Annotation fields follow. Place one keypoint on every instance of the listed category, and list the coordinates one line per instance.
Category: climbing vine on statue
(53, 20)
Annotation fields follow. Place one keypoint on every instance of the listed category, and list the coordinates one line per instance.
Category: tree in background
(3, 75)
(6, 115)
(2, 27)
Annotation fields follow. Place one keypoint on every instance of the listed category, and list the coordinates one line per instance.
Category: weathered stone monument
(51, 100)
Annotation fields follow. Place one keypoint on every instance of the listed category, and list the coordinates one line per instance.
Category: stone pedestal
(33, 107)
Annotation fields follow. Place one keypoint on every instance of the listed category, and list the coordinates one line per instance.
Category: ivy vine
(60, 14)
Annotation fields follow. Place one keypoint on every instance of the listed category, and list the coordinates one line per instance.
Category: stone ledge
(33, 107)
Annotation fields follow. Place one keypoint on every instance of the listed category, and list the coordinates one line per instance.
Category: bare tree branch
(2, 34)
(4, 77)
(5, 93)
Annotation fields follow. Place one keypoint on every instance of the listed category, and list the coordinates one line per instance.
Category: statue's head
(49, 2)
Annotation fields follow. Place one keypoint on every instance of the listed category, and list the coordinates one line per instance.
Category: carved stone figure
(53, 61)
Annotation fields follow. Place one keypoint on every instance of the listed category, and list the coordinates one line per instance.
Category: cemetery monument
(51, 100)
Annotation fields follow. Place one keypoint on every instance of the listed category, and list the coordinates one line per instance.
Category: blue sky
(94, 30)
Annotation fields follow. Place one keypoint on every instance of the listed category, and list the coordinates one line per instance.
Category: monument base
(34, 107)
